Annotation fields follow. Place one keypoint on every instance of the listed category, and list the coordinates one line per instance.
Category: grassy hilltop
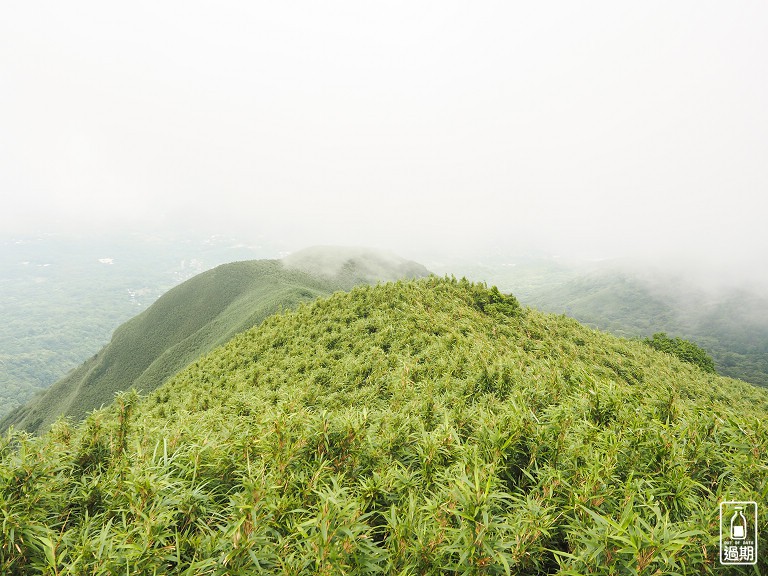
(424, 427)
(198, 315)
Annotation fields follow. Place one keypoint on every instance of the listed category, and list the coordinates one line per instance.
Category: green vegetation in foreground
(427, 427)
(195, 317)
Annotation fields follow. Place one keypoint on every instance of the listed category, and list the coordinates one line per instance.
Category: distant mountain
(609, 301)
(423, 427)
(352, 266)
(62, 296)
(731, 325)
(198, 315)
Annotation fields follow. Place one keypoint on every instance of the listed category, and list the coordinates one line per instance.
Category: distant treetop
(685, 350)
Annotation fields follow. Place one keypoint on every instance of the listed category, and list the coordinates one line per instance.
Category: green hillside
(62, 296)
(198, 315)
(425, 427)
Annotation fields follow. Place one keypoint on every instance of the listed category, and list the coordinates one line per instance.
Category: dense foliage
(683, 349)
(428, 427)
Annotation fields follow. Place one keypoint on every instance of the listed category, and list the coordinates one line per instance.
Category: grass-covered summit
(425, 427)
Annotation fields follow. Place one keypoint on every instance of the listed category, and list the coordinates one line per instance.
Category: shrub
(685, 350)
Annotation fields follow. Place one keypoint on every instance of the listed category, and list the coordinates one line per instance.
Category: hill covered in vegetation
(198, 315)
(64, 295)
(425, 427)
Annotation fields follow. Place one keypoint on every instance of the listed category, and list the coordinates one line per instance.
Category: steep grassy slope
(62, 297)
(428, 427)
(197, 316)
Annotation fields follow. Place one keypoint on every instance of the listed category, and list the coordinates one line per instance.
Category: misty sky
(588, 128)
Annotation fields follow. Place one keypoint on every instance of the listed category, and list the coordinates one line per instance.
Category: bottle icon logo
(738, 533)
(738, 524)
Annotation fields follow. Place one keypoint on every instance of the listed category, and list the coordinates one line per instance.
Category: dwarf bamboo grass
(408, 428)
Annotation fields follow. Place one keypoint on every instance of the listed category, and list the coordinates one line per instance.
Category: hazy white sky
(595, 128)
